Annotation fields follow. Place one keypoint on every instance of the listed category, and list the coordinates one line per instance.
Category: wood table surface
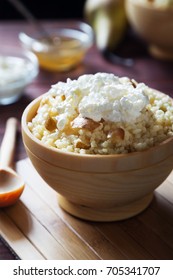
(148, 230)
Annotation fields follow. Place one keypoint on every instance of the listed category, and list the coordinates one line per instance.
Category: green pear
(108, 20)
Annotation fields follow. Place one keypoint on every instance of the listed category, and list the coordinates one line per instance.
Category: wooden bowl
(99, 187)
(154, 25)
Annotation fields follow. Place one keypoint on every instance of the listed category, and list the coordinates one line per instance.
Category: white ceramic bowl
(154, 24)
(18, 69)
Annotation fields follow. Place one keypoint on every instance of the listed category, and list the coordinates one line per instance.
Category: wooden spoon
(11, 185)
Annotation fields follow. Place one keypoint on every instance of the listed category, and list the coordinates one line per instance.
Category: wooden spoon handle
(8, 143)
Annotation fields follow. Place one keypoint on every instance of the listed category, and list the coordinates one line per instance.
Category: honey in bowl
(63, 48)
(62, 55)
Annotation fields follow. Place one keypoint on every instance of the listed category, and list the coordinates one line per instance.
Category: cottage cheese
(111, 99)
(100, 96)
(103, 114)
(13, 69)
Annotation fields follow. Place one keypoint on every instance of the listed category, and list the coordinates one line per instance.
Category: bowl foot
(160, 53)
(107, 214)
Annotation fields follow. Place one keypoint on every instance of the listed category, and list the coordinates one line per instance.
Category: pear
(108, 20)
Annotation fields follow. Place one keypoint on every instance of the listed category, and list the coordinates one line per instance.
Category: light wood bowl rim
(35, 103)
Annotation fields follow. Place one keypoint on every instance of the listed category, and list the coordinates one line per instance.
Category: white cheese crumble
(102, 114)
(100, 96)
(13, 69)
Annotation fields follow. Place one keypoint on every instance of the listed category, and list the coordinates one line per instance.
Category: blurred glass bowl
(60, 46)
(18, 68)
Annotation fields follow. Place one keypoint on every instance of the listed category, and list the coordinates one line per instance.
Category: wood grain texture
(119, 241)
(96, 187)
(143, 16)
(39, 225)
(17, 240)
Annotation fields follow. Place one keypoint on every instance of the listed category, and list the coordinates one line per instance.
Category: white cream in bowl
(17, 70)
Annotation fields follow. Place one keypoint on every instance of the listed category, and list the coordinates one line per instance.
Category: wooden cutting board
(37, 228)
